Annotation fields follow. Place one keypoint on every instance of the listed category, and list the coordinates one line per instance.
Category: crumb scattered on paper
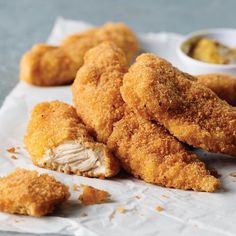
(159, 209)
(165, 196)
(91, 195)
(232, 174)
(13, 157)
(11, 150)
(84, 214)
(121, 210)
(214, 172)
(138, 197)
(75, 187)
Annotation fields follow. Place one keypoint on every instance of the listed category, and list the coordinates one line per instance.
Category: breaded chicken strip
(26, 192)
(56, 139)
(46, 65)
(189, 110)
(223, 85)
(118, 33)
(96, 89)
(148, 151)
(145, 150)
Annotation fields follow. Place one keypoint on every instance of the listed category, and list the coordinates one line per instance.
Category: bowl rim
(199, 33)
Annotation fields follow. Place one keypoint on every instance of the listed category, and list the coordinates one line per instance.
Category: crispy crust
(55, 123)
(46, 65)
(144, 149)
(223, 85)
(189, 110)
(91, 195)
(28, 193)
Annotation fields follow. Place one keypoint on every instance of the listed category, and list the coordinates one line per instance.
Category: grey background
(25, 22)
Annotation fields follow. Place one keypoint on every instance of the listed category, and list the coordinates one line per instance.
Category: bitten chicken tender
(26, 192)
(56, 139)
(189, 110)
(91, 195)
(223, 85)
(145, 149)
(46, 65)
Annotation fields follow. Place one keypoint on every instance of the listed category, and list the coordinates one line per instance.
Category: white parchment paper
(185, 212)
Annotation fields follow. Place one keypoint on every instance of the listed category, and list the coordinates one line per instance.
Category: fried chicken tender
(223, 85)
(26, 192)
(57, 140)
(46, 65)
(118, 33)
(91, 195)
(148, 151)
(145, 149)
(96, 95)
(189, 110)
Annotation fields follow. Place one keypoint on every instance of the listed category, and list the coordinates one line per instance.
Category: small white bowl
(196, 67)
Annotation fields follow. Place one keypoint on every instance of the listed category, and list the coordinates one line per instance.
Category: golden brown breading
(28, 193)
(145, 150)
(189, 110)
(46, 65)
(56, 139)
(149, 152)
(223, 85)
(91, 195)
(97, 100)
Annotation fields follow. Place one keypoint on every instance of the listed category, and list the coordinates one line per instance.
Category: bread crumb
(165, 196)
(75, 187)
(11, 150)
(91, 195)
(138, 197)
(232, 174)
(159, 208)
(84, 214)
(121, 210)
(14, 157)
(214, 172)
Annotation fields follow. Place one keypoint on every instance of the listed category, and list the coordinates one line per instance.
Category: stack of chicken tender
(143, 118)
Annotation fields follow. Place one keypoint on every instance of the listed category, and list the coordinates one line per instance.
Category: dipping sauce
(211, 51)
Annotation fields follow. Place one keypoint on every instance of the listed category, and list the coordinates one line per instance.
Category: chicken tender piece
(91, 195)
(46, 65)
(118, 33)
(145, 150)
(189, 110)
(96, 92)
(57, 140)
(26, 192)
(222, 84)
(148, 151)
